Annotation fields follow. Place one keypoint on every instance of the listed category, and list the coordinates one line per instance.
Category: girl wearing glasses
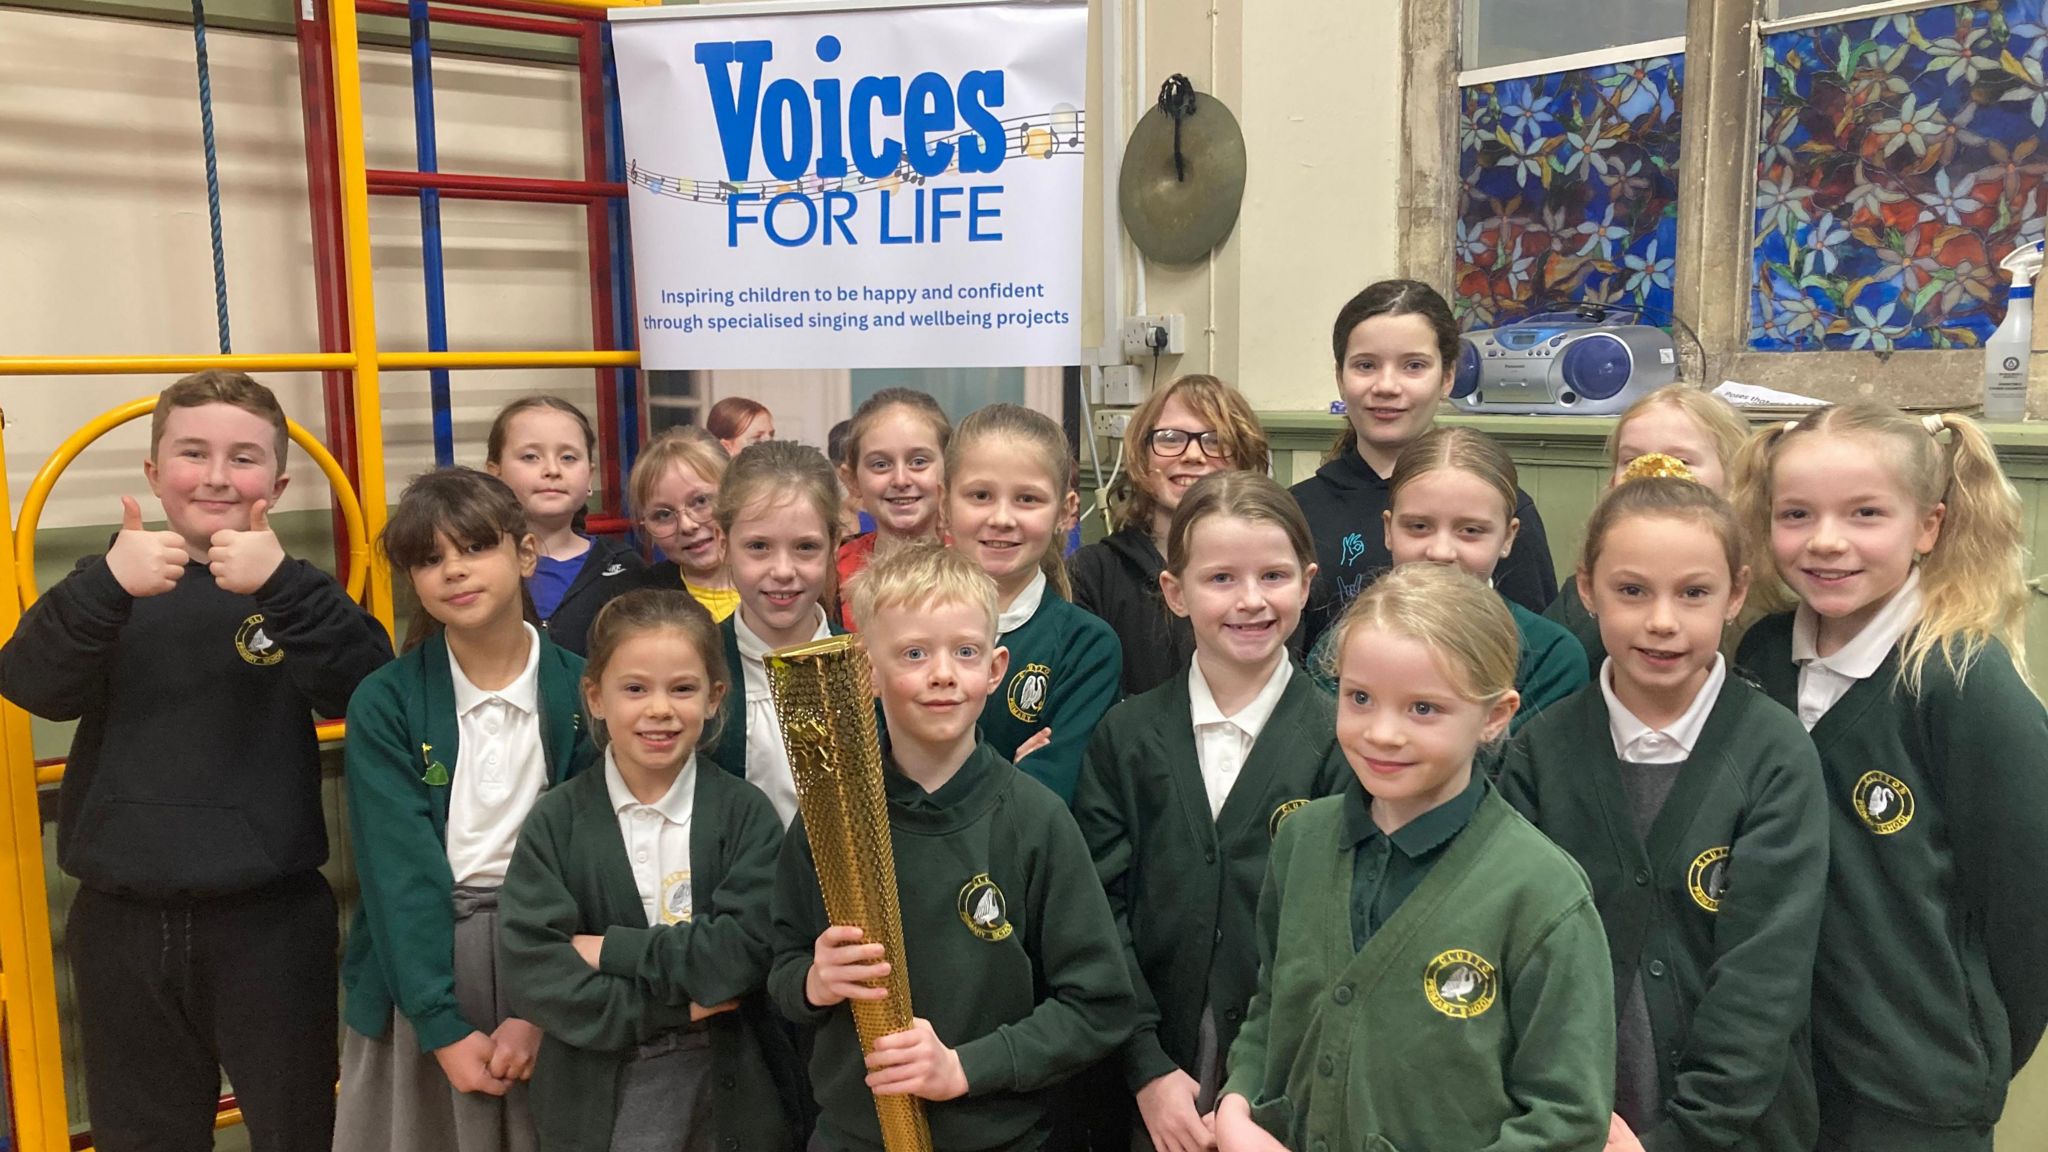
(674, 486)
(1395, 345)
(1190, 428)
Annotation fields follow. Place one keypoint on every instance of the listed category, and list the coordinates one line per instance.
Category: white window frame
(1768, 20)
(1641, 50)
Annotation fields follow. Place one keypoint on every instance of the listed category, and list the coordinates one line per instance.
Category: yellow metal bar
(419, 361)
(362, 308)
(28, 980)
(328, 732)
(173, 365)
(46, 479)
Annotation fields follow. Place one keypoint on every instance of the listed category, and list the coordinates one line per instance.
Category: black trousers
(170, 994)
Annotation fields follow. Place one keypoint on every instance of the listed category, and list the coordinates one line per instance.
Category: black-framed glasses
(1175, 441)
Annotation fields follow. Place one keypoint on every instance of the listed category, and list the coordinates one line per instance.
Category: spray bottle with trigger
(2007, 353)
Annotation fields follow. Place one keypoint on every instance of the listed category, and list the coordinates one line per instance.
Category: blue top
(551, 580)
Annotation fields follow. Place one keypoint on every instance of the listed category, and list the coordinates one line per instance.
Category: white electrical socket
(1111, 424)
(1122, 386)
(1138, 335)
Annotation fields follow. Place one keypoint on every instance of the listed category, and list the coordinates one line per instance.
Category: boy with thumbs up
(194, 658)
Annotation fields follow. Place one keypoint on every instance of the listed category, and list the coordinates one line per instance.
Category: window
(1496, 32)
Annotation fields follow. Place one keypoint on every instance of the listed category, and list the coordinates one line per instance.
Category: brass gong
(1182, 180)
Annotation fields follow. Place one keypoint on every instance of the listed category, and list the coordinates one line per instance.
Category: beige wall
(103, 234)
(1316, 88)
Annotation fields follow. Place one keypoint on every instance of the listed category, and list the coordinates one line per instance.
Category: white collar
(1253, 716)
(754, 648)
(1867, 649)
(1626, 728)
(1024, 607)
(522, 693)
(674, 804)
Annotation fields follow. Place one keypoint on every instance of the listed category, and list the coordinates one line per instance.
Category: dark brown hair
(215, 386)
(645, 610)
(1670, 498)
(494, 444)
(1391, 298)
(471, 508)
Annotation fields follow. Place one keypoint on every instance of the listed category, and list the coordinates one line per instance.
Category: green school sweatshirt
(1931, 988)
(1571, 612)
(1717, 912)
(1066, 666)
(1184, 886)
(570, 877)
(1549, 666)
(1011, 949)
(399, 760)
(1480, 1017)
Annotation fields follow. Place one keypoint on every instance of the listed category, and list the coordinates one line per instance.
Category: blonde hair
(919, 576)
(1250, 496)
(1463, 621)
(1222, 407)
(1045, 443)
(1973, 583)
(1715, 416)
(686, 446)
(774, 471)
(1462, 449)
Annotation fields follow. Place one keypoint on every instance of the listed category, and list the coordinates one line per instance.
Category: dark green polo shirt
(1387, 869)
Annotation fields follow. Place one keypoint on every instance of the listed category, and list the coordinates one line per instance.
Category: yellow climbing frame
(28, 985)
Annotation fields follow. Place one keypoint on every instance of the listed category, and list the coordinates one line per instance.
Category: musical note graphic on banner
(1062, 131)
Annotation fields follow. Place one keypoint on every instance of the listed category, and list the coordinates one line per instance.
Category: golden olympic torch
(825, 699)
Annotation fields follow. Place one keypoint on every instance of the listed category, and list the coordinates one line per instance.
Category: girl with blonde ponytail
(1898, 539)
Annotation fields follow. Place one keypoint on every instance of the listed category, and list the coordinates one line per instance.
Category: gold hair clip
(1656, 465)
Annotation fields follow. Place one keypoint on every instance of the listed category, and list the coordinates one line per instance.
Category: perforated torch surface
(824, 699)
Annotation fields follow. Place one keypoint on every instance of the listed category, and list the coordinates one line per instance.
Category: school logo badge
(1028, 691)
(1460, 984)
(1707, 879)
(255, 645)
(675, 899)
(983, 909)
(1883, 802)
(1281, 813)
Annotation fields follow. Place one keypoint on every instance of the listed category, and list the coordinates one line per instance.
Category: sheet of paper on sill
(1758, 396)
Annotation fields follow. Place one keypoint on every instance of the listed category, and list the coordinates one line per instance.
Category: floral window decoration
(1901, 158)
(1570, 191)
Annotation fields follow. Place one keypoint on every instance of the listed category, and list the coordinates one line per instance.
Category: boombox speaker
(1562, 363)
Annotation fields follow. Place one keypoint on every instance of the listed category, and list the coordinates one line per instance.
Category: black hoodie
(611, 568)
(1344, 502)
(1117, 578)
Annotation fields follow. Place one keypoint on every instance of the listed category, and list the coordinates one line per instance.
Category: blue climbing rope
(220, 257)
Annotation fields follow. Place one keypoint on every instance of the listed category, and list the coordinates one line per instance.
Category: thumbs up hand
(242, 561)
(146, 563)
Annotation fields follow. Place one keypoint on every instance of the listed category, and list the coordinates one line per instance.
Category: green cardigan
(1932, 983)
(1066, 669)
(1185, 886)
(1717, 913)
(570, 876)
(399, 759)
(731, 750)
(1480, 1017)
(1549, 664)
(1571, 612)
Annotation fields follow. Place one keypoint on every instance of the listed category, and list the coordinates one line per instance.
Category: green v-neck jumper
(1185, 886)
(1480, 1017)
(570, 877)
(1931, 988)
(1716, 911)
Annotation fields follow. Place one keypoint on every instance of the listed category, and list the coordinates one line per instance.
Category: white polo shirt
(501, 768)
(1637, 743)
(1222, 743)
(1824, 680)
(767, 765)
(657, 840)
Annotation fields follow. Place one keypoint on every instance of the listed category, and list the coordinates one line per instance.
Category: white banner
(892, 187)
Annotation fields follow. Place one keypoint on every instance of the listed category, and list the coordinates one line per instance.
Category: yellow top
(721, 602)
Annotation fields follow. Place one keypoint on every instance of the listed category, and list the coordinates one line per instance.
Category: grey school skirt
(395, 1098)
